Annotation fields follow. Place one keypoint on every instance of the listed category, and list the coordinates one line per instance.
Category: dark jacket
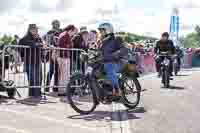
(78, 43)
(31, 55)
(64, 41)
(52, 41)
(49, 37)
(165, 46)
(113, 49)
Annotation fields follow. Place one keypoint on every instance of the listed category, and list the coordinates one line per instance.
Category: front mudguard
(134, 74)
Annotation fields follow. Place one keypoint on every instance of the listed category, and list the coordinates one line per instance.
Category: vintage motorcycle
(95, 84)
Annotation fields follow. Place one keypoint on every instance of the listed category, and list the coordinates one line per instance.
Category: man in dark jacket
(51, 39)
(113, 52)
(180, 55)
(32, 59)
(164, 45)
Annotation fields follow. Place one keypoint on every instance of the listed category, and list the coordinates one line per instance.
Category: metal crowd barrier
(149, 63)
(40, 67)
(145, 62)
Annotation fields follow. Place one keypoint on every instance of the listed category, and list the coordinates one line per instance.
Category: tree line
(192, 40)
(6, 39)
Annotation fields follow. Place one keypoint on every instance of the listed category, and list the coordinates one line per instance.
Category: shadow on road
(174, 88)
(3, 99)
(96, 115)
(34, 101)
(122, 115)
(143, 90)
(182, 75)
(6, 100)
(138, 110)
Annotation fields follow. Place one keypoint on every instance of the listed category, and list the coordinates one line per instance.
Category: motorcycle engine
(105, 84)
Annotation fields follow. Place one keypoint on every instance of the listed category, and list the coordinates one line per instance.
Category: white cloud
(183, 3)
(7, 5)
(139, 22)
(91, 12)
(47, 6)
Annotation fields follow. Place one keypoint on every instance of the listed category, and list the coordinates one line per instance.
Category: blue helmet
(108, 27)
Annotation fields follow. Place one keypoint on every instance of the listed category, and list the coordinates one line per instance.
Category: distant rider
(164, 45)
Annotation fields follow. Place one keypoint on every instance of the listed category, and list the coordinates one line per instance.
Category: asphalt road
(174, 110)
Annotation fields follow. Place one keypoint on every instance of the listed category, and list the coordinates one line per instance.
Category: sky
(144, 17)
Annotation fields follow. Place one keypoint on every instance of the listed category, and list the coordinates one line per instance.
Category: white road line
(115, 119)
(125, 123)
(12, 129)
(48, 119)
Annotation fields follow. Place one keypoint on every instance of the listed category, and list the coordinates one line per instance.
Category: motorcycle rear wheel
(127, 89)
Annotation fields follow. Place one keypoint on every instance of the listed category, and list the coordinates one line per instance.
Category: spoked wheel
(131, 90)
(80, 95)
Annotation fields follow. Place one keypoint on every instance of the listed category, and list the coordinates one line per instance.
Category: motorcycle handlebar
(165, 55)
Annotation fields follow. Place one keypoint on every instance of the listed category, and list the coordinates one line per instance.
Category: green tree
(197, 29)
(131, 37)
(128, 38)
(192, 40)
(6, 39)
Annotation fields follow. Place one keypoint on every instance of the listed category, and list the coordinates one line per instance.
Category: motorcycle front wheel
(81, 96)
(176, 69)
(166, 78)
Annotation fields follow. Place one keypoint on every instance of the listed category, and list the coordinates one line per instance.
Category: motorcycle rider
(164, 45)
(113, 51)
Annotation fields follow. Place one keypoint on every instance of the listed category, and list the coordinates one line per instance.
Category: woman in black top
(32, 59)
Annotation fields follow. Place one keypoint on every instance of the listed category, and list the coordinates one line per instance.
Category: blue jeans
(34, 73)
(111, 70)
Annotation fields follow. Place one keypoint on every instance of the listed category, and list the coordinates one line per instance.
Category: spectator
(15, 55)
(140, 58)
(64, 41)
(80, 41)
(85, 36)
(51, 39)
(32, 59)
(52, 35)
(15, 40)
(92, 40)
(180, 55)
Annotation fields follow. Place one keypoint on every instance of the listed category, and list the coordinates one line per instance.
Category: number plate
(89, 70)
(166, 62)
(175, 61)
